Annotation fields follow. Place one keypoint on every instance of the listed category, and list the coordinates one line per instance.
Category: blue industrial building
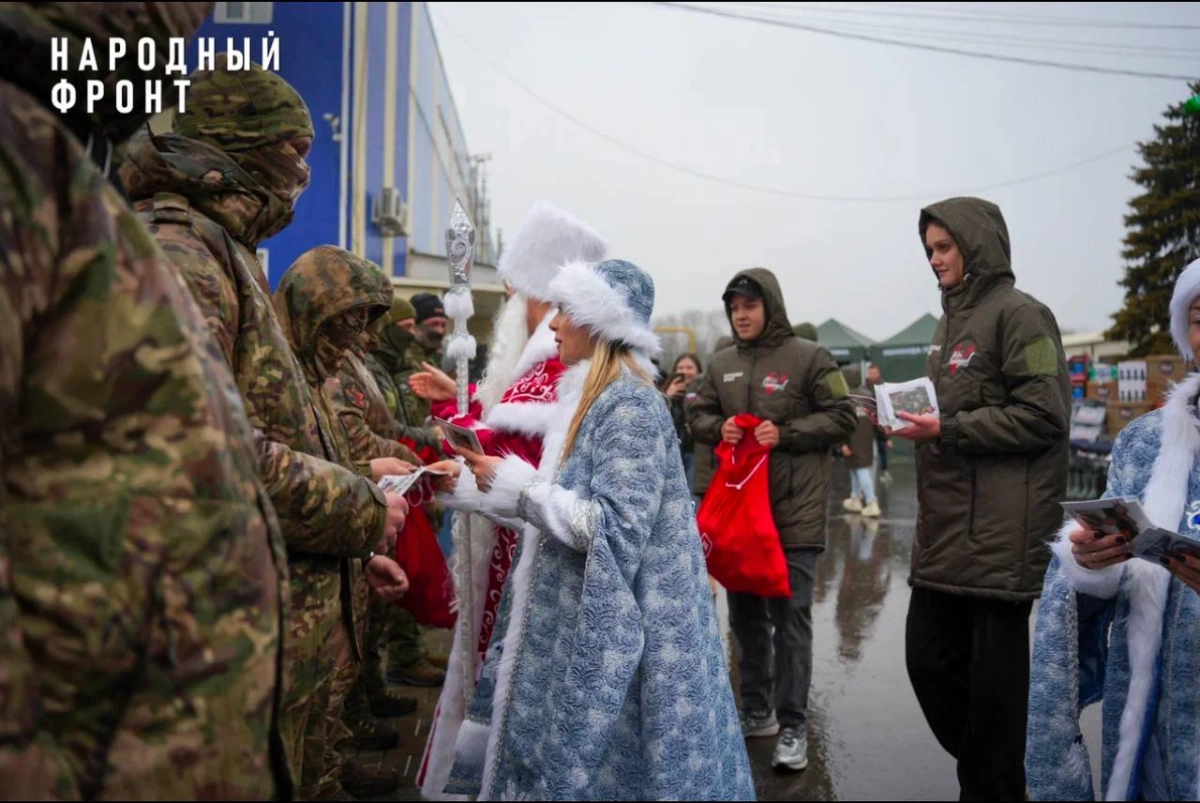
(389, 157)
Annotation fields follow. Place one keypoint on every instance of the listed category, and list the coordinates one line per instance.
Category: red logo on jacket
(775, 382)
(961, 357)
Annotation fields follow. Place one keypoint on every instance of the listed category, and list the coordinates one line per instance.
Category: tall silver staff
(460, 254)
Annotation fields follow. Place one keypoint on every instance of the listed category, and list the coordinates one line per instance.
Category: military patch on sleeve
(354, 395)
(1041, 357)
(837, 384)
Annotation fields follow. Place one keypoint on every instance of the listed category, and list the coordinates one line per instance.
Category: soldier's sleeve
(831, 418)
(210, 285)
(325, 509)
(704, 415)
(351, 402)
(1036, 414)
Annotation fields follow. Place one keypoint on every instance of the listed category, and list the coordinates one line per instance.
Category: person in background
(859, 454)
(883, 444)
(795, 387)
(1127, 632)
(675, 387)
(806, 331)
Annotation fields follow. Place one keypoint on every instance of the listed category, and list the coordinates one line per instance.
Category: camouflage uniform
(391, 365)
(143, 582)
(209, 197)
(317, 292)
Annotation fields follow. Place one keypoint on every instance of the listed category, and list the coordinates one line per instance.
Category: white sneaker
(872, 510)
(791, 750)
(853, 505)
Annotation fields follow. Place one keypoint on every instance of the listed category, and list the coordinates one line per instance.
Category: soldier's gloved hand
(383, 466)
(397, 512)
(387, 578)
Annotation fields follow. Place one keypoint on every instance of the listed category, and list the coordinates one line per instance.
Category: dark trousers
(776, 668)
(968, 661)
(881, 445)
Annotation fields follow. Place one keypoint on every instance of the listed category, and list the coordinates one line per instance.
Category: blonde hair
(605, 369)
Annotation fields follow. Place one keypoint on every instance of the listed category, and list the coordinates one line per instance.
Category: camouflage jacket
(325, 509)
(143, 583)
(370, 428)
(401, 356)
(317, 289)
(394, 402)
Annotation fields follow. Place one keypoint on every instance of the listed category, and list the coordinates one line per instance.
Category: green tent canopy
(845, 344)
(902, 356)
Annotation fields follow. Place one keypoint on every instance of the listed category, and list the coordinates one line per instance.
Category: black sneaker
(759, 723)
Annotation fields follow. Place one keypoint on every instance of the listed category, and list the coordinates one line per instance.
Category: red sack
(430, 587)
(737, 528)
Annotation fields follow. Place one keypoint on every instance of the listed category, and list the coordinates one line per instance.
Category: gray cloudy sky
(809, 113)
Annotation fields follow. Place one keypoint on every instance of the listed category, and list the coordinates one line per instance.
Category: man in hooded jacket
(793, 385)
(227, 177)
(991, 470)
(143, 583)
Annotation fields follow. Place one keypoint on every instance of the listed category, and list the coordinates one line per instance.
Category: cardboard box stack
(1142, 385)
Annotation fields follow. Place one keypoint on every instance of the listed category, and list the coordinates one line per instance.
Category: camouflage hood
(212, 181)
(313, 297)
(29, 29)
(232, 153)
(394, 342)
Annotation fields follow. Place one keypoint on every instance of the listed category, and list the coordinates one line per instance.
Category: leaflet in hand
(916, 396)
(459, 437)
(1124, 514)
(402, 483)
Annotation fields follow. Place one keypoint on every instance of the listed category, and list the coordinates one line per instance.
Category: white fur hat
(548, 239)
(614, 299)
(1187, 290)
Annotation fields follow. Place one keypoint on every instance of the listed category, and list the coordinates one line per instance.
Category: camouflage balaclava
(253, 116)
(27, 33)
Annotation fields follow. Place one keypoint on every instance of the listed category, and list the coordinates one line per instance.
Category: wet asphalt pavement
(867, 737)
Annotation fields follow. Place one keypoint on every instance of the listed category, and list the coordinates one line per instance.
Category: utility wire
(753, 187)
(1069, 45)
(1009, 18)
(916, 46)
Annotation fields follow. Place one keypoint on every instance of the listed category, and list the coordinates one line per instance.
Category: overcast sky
(809, 113)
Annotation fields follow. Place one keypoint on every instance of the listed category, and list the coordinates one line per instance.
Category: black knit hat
(428, 306)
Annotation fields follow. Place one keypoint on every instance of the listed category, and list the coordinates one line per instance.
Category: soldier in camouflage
(143, 582)
(327, 298)
(388, 361)
(225, 178)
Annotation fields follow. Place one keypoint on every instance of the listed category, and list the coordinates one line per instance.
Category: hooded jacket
(321, 285)
(796, 385)
(143, 583)
(989, 488)
(862, 439)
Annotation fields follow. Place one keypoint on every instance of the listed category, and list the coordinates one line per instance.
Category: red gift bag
(430, 592)
(737, 528)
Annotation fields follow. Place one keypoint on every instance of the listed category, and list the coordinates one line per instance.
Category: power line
(1086, 47)
(753, 187)
(1017, 18)
(915, 46)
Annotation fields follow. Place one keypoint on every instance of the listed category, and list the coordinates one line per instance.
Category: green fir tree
(1163, 231)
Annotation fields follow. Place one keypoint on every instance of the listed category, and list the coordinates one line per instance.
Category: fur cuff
(1100, 583)
(458, 305)
(466, 497)
(513, 477)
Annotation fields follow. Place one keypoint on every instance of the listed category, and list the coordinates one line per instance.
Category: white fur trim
(1163, 501)
(541, 347)
(1187, 289)
(513, 476)
(458, 304)
(531, 420)
(1101, 583)
(595, 304)
(438, 761)
(466, 497)
(549, 238)
(461, 347)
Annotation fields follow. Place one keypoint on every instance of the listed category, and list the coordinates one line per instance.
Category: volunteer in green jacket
(991, 470)
(793, 385)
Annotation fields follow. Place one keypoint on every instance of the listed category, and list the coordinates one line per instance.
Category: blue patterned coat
(1128, 636)
(606, 679)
